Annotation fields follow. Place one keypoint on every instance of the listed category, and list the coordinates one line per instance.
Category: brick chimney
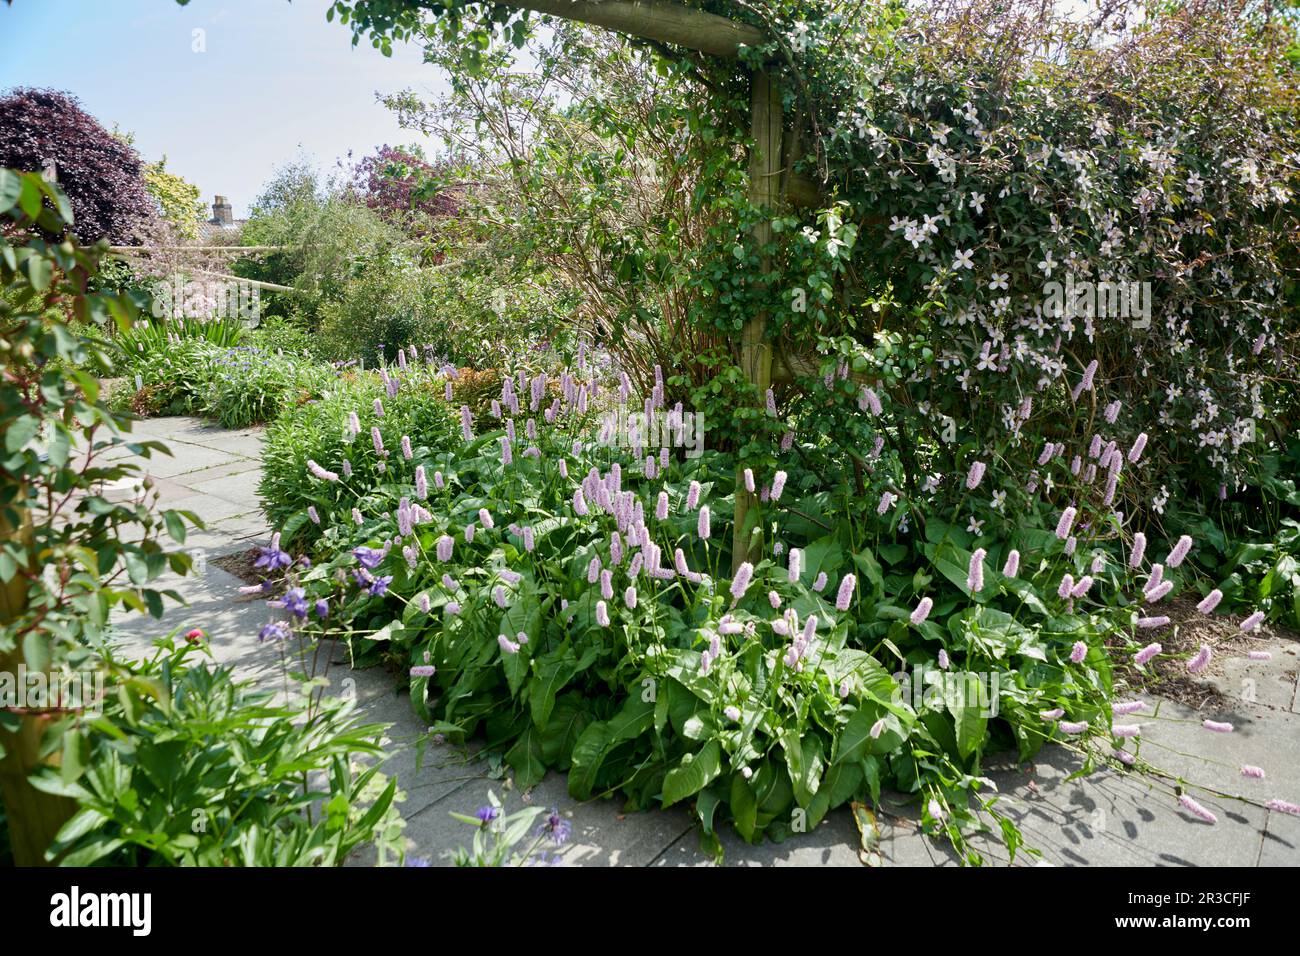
(221, 212)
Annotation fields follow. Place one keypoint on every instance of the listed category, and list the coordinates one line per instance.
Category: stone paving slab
(1108, 818)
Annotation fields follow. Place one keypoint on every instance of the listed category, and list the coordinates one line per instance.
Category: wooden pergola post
(765, 124)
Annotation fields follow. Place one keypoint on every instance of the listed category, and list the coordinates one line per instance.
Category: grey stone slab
(833, 842)
(239, 488)
(1281, 840)
(210, 509)
(230, 620)
(236, 467)
(1175, 740)
(1122, 819)
(1271, 683)
(185, 459)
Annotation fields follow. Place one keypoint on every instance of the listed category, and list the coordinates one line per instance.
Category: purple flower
(295, 602)
(1078, 652)
(703, 527)
(444, 547)
(274, 631)
(379, 586)
(368, 558)
(423, 670)
(272, 558)
(820, 583)
(322, 608)
(486, 815)
(555, 827)
(692, 496)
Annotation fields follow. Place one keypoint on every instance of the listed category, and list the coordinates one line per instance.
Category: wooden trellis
(663, 21)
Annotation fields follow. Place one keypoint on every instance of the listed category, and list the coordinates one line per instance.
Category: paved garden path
(1107, 818)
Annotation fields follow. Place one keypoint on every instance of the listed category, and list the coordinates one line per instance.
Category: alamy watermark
(1106, 299)
(672, 429)
(929, 688)
(177, 298)
(54, 692)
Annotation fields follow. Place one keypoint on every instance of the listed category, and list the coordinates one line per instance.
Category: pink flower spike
(975, 475)
(1125, 731)
(944, 662)
(1149, 623)
(1195, 808)
(1066, 523)
(1139, 549)
(1199, 662)
(1283, 806)
(1210, 602)
(1073, 727)
(1078, 652)
(1260, 655)
(877, 729)
(1179, 552)
(975, 571)
(1055, 714)
(922, 611)
(1255, 773)
(1252, 622)
(1131, 707)
(1013, 564)
(1124, 757)
(1217, 726)
(1159, 591)
(1148, 652)
(845, 593)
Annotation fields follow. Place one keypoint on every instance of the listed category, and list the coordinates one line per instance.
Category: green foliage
(687, 694)
(145, 339)
(178, 199)
(502, 839)
(188, 767)
(320, 431)
(87, 553)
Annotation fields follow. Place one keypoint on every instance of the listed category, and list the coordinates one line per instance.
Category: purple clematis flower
(369, 558)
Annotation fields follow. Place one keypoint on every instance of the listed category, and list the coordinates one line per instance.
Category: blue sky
(276, 81)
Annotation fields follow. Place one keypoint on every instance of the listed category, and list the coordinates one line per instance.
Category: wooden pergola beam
(667, 22)
(659, 20)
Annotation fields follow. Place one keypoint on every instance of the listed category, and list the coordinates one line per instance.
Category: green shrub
(251, 386)
(319, 431)
(189, 767)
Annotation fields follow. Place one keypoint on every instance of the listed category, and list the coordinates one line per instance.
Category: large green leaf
(695, 772)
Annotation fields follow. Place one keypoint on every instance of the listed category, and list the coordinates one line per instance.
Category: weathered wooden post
(34, 817)
(755, 351)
